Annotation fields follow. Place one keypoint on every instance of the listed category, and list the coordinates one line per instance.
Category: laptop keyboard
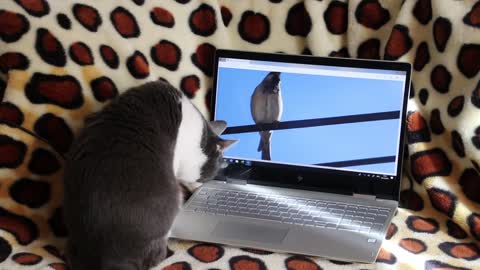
(290, 210)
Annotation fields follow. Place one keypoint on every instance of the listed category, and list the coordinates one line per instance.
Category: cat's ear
(218, 126)
(223, 145)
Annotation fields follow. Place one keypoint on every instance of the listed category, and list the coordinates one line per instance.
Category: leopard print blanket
(60, 60)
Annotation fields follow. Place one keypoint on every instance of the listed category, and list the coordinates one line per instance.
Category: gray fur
(121, 191)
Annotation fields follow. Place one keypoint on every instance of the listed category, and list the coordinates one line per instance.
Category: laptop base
(277, 236)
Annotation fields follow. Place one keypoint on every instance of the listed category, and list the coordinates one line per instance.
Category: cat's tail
(112, 265)
(94, 261)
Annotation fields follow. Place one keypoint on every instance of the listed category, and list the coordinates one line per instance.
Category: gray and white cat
(122, 176)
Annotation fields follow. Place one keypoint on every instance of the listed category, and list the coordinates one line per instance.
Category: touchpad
(249, 232)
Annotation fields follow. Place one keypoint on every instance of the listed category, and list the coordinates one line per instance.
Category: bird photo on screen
(266, 107)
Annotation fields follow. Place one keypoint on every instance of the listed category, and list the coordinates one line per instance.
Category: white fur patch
(188, 157)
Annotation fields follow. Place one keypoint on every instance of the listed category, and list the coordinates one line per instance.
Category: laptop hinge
(236, 181)
(364, 196)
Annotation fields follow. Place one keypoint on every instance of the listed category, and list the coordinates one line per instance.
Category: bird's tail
(264, 144)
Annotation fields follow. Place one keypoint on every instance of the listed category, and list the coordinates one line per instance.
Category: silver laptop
(318, 164)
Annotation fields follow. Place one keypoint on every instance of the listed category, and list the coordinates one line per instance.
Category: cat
(122, 176)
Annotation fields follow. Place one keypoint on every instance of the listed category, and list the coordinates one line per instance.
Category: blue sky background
(314, 96)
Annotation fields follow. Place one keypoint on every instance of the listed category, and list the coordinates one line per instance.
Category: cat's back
(148, 115)
(126, 150)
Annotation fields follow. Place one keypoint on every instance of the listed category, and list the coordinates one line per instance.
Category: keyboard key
(274, 218)
(336, 215)
(364, 229)
(357, 222)
(198, 204)
(309, 223)
(275, 214)
(345, 221)
(210, 211)
(296, 216)
(328, 219)
(304, 217)
(331, 226)
(384, 212)
(201, 196)
(233, 210)
(324, 213)
(304, 212)
(296, 206)
(352, 228)
(271, 208)
(287, 220)
(320, 224)
(282, 204)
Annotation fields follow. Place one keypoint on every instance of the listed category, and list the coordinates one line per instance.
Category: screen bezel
(307, 177)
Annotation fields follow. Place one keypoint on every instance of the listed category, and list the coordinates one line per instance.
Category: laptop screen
(319, 116)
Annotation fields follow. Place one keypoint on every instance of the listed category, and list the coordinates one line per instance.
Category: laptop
(318, 164)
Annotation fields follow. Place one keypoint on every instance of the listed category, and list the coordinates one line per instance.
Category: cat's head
(213, 147)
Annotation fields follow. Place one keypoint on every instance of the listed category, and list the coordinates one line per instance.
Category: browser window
(338, 118)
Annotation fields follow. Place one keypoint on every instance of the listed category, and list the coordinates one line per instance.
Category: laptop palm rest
(249, 232)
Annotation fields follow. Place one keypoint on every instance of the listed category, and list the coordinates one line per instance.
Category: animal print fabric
(60, 60)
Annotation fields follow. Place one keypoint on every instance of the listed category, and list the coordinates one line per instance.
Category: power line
(356, 118)
(357, 162)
